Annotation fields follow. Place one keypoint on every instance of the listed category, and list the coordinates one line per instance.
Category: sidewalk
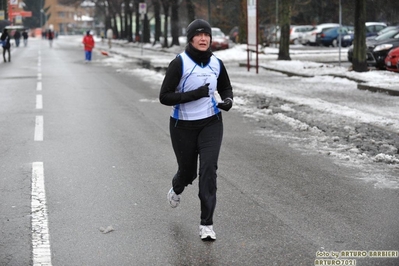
(158, 58)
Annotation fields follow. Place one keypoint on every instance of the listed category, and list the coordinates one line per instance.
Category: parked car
(388, 28)
(219, 40)
(310, 36)
(391, 61)
(297, 31)
(377, 52)
(372, 28)
(272, 35)
(393, 34)
(330, 37)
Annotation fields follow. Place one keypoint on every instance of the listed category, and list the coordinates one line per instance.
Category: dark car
(393, 34)
(377, 52)
(330, 37)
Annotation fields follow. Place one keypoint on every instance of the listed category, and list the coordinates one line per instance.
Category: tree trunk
(115, 27)
(121, 32)
(129, 29)
(146, 29)
(165, 5)
(285, 19)
(190, 10)
(242, 28)
(359, 62)
(157, 15)
(175, 23)
(137, 29)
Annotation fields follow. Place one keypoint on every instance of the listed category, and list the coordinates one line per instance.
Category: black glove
(202, 91)
(226, 104)
(196, 94)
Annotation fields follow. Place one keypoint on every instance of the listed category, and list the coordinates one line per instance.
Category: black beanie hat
(198, 26)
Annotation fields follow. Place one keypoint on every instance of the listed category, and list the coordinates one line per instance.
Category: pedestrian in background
(88, 42)
(25, 37)
(5, 43)
(110, 35)
(17, 37)
(191, 83)
(50, 37)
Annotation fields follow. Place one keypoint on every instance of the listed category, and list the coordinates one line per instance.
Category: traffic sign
(21, 13)
(142, 8)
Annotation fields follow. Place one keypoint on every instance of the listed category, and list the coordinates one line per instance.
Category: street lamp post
(340, 31)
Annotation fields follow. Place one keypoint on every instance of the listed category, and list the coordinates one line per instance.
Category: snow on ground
(323, 113)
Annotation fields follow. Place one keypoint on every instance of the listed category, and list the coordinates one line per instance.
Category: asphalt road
(99, 142)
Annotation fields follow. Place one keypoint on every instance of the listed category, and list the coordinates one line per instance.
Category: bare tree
(175, 26)
(146, 29)
(128, 21)
(137, 28)
(165, 5)
(190, 10)
(359, 62)
(157, 16)
(285, 19)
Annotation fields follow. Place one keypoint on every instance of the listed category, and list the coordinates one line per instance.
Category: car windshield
(388, 35)
(217, 33)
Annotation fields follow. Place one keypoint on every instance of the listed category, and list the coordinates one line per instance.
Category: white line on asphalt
(39, 101)
(39, 128)
(40, 233)
(39, 63)
(39, 86)
(39, 76)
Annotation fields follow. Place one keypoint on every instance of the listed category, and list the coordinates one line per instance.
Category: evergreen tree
(35, 7)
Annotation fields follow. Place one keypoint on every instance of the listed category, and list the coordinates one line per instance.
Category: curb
(378, 89)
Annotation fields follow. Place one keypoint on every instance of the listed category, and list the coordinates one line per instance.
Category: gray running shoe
(173, 198)
(206, 232)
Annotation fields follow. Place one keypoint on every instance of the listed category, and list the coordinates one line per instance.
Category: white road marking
(39, 128)
(41, 252)
(39, 101)
(39, 76)
(39, 86)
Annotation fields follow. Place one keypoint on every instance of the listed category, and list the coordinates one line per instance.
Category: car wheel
(296, 41)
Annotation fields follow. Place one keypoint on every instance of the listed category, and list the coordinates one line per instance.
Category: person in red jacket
(88, 42)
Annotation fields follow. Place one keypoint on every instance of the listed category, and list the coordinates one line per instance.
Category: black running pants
(192, 141)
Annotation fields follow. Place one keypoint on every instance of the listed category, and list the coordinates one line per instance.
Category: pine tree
(35, 7)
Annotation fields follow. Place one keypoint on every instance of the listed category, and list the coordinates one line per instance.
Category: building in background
(67, 20)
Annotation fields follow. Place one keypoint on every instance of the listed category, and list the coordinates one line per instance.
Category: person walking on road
(17, 37)
(5, 43)
(25, 37)
(194, 85)
(50, 36)
(88, 42)
(110, 35)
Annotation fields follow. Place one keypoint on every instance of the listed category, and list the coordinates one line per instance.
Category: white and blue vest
(194, 76)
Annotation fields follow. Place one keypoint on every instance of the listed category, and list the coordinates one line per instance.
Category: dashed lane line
(39, 101)
(39, 128)
(40, 232)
